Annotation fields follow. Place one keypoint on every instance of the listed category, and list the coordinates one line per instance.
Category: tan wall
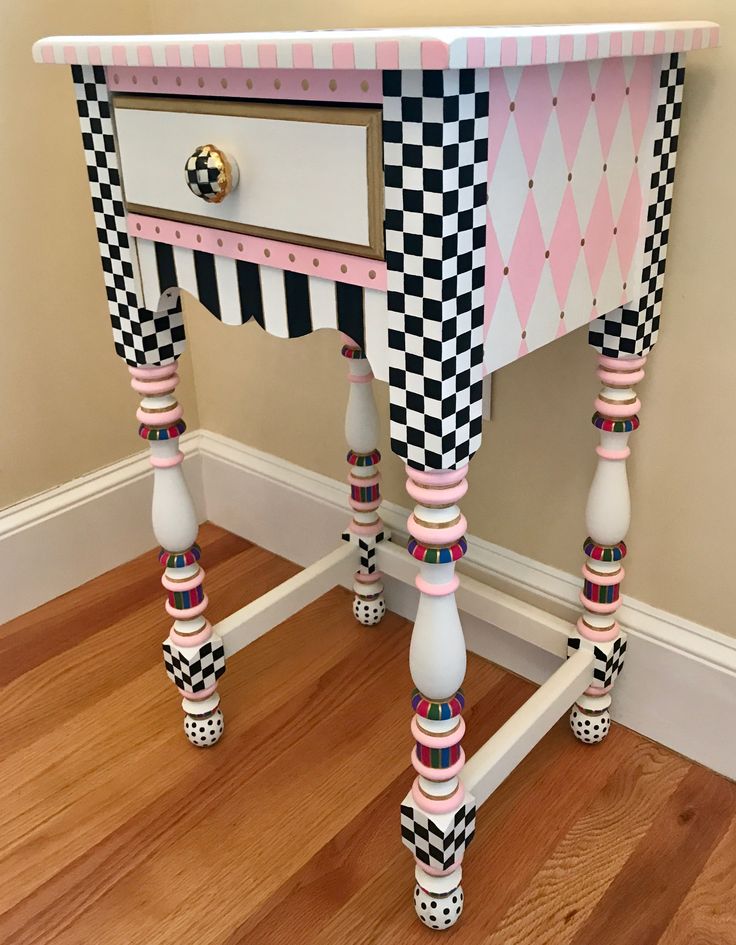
(67, 406)
(529, 481)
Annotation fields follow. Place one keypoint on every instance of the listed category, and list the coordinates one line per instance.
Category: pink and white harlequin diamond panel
(569, 159)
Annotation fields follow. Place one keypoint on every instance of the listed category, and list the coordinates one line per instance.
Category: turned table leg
(438, 816)
(193, 655)
(607, 517)
(366, 528)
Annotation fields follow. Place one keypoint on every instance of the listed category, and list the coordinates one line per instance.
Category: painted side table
(449, 199)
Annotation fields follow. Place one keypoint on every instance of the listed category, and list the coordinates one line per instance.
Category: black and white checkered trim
(140, 335)
(438, 839)
(197, 670)
(633, 330)
(608, 657)
(366, 547)
(435, 139)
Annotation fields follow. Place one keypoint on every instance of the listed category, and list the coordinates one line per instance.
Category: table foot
(194, 656)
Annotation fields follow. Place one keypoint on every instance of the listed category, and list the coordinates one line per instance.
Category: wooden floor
(115, 831)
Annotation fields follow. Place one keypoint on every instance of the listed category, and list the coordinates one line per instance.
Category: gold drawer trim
(369, 118)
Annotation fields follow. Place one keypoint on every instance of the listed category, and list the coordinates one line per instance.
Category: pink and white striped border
(324, 85)
(381, 49)
(339, 267)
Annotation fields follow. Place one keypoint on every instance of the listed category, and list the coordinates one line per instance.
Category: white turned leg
(607, 517)
(438, 807)
(193, 655)
(366, 528)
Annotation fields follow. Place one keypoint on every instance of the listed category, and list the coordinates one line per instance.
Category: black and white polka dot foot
(204, 732)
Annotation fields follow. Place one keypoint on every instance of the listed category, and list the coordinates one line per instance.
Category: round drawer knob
(211, 174)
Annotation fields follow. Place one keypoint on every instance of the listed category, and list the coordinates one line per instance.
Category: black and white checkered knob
(211, 174)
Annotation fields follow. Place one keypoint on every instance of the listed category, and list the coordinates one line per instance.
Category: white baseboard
(679, 687)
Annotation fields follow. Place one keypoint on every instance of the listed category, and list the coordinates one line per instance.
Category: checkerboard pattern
(435, 138)
(197, 668)
(609, 657)
(367, 549)
(633, 330)
(140, 335)
(203, 174)
(437, 840)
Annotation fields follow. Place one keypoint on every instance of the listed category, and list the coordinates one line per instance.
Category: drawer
(308, 174)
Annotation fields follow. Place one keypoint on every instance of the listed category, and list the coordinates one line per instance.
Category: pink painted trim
(602, 636)
(145, 56)
(95, 56)
(152, 372)
(343, 55)
(617, 378)
(637, 43)
(438, 741)
(195, 639)
(437, 590)
(166, 462)
(539, 50)
(603, 580)
(173, 57)
(437, 536)
(364, 506)
(374, 578)
(438, 774)
(659, 38)
(596, 608)
(224, 243)
(435, 54)
(201, 55)
(567, 48)
(476, 52)
(621, 364)
(163, 419)
(152, 388)
(613, 455)
(438, 477)
(508, 52)
(302, 56)
(387, 54)
(367, 530)
(194, 581)
(68, 51)
(598, 691)
(189, 612)
(328, 85)
(443, 805)
(433, 871)
(267, 58)
(201, 696)
(591, 46)
(47, 55)
(360, 378)
(617, 411)
(371, 480)
(119, 55)
(430, 497)
(615, 44)
(233, 56)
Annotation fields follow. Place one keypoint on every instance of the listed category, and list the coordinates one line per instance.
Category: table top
(413, 48)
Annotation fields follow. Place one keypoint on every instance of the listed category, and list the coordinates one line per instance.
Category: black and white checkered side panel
(140, 335)
(633, 330)
(195, 670)
(285, 304)
(366, 547)
(435, 139)
(438, 840)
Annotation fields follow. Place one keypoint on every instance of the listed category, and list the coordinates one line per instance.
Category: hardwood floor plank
(646, 893)
(706, 914)
(116, 830)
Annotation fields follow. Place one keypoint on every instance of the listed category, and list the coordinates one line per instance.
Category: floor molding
(679, 687)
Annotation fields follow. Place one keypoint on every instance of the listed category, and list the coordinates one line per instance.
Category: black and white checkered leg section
(435, 139)
(367, 548)
(609, 657)
(437, 839)
(195, 668)
(141, 336)
(633, 330)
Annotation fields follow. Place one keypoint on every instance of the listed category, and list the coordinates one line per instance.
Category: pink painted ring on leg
(194, 581)
(153, 372)
(433, 871)
(602, 636)
(437, 537)
(444, 805)
(438, 741)
(189, 612)
(603, 580)
(617, 411)
(437, 590)
(436, 477)
(438, 774)
(166, 462)
(448, 495)
(162, 418)
(596, 608)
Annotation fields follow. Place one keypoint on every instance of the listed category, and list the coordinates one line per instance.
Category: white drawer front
(308, 174)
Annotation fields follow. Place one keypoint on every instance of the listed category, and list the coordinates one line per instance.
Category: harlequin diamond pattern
(437, 840)
(566, 186)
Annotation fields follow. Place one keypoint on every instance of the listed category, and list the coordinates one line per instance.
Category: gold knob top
(210, 173)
